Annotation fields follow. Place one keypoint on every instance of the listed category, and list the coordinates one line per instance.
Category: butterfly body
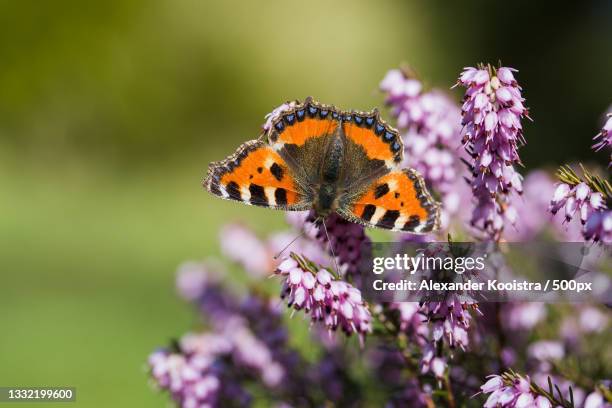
(315, 156)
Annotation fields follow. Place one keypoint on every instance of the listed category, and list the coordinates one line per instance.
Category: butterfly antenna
(331, 247)
(301, 234)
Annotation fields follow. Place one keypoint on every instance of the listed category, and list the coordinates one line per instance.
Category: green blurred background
(111, 111)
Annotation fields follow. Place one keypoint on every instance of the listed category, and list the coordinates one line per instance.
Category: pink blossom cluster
(255, 254)
(429, 323)
(516, 395)
(450, 319)
(599, 227)
(588, 205)
(492, 112)
(241, 245)
(430, 126)
(433, 361)
(195, 375)
(344, 239)
(189, 379)
(412, 321)
(244, 336)
(332, 301)
(579, 199)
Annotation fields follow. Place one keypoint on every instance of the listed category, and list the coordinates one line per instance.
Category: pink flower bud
(324, 277)
(481, 77)
(393, 78)
(524, 400)
(597, 201)
(438, 366)
(309, 280)
(561, 193)
(295, 276)
(542, 402)
(494, 383)
(287, 265)
(505, 75)
(508, 395)
(490, 121)
(582, 191)
(503, 95)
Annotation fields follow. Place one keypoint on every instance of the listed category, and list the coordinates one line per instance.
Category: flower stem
(449, 391)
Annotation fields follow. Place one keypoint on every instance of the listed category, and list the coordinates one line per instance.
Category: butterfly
(317, 157)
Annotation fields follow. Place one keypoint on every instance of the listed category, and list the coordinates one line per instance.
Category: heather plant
(450, 352)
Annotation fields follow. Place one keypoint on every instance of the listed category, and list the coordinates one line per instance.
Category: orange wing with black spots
(379, 140)
(256, 175)
(397, 201)
(303, 122)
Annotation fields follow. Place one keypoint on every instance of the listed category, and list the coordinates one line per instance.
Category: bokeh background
(110, 111)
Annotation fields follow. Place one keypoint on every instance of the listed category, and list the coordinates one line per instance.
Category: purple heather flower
(432, 116)
(430, 125)
(412, 321)
(508, 356)
(450, 319)
(579, 199)
(590, 206)
(192, 279)
(195, 373)
(191, 380)
(334, 302)
(236, 340)
(251, 352)
(241, 245)
(592, 320)
(199, 282)
(599, 227)
(577, 326)
(432, 362)
(546, 350)
(349, 241)
(595, 400)
(246, 337)
(586, 320)
(524, 315)
(494, 383)
(516, 394)
(492, 113)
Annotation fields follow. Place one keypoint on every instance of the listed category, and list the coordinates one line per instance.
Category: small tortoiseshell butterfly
(315, 156)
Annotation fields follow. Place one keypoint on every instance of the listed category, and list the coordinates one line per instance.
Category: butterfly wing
(379, 141)
(303, 122)
(256, 175)
(301, 134)
(397, 201)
